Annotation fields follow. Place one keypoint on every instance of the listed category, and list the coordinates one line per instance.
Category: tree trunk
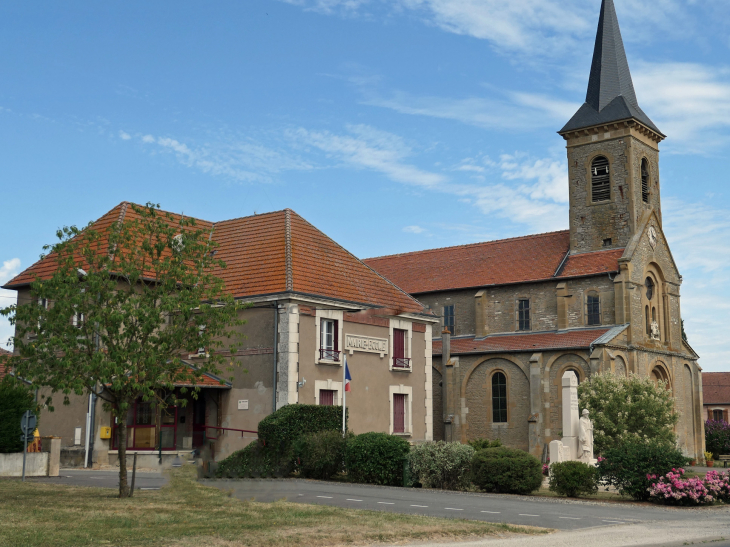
(122, 428)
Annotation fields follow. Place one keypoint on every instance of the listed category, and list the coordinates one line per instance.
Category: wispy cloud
(238, 159)
(690, 102)
(342, 7)
(414, 230)
(702, 252)
(8, 270)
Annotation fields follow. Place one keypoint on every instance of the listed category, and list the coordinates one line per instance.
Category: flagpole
(344, 393)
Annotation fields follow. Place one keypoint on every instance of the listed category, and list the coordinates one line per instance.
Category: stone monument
(577, 441)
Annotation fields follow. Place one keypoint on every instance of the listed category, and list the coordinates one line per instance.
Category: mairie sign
(354, 342)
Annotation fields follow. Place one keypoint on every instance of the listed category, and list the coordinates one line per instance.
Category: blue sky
(392, 125)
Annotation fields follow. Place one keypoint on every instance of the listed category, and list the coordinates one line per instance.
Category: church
(602, 296)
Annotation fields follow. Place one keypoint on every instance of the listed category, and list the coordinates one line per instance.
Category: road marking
(424, 506)
(571, 518)
(614, 521)
(386, 503)
(98, 478)
(325, 497)
(452, 509)
(352, 500)
(526, 515)
(149, 488)
(492, 512)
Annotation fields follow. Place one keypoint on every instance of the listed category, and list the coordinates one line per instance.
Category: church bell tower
(613, 150)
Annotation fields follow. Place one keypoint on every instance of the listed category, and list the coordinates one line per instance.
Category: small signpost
(27, 425)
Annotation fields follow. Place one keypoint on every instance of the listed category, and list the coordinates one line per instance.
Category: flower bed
(675, 490)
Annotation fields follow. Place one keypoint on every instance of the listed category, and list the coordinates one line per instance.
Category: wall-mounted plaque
(368, 344)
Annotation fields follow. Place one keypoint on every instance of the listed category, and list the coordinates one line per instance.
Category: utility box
(105, 432)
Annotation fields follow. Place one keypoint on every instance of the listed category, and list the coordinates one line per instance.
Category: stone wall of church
(463, 302)
(592, 223)
(639, 151)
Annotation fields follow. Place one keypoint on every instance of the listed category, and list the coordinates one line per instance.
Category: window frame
(645, 175)
(332, 356)
(524, 324)
(604, 184)
(450, 323)
(407, 391)
(407, 360)
(593, 317)
(500, 402)
(328, 385)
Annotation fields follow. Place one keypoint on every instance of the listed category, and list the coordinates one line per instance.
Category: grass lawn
(185, 513)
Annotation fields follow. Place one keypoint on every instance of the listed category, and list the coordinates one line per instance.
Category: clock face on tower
(652, 237)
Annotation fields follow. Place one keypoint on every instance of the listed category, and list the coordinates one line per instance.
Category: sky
(391, 125)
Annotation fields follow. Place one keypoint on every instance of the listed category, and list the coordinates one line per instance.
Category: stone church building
(601, 296)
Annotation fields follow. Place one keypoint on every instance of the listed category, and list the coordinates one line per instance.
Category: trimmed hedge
(377, 458)
(15, 399)
(441, 464)
(320, 455)
(254, 461)
(627, 466)
(573, 478)
(281, 428)
(506, 470)
(481, 444)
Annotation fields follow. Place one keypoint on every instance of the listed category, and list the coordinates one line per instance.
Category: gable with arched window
(600, 180)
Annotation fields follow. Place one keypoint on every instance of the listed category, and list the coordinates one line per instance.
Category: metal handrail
(227, 429)
(329, 354)
(401, 362)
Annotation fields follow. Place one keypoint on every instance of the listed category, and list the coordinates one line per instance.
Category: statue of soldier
(585, 438)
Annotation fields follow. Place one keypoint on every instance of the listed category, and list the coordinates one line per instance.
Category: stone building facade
(601, 296)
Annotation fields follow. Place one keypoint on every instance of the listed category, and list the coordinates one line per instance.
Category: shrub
(15, 399)
(674, 490)
(481, 444)
(254, 461)
(573, 478)
(320, 455)
(377, 458)
(442, 465)
(628, 409)
(717, 437)
(281, 428)
(627, 467)
(506, 470)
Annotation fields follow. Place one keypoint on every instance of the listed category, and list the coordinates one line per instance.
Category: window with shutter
(329, 340)
(400, 359)
(399, 413)
(326, 397)
(600, 180)
(645, 180)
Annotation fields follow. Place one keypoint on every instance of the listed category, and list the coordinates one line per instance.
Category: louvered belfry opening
(645, 180)
(600, 180)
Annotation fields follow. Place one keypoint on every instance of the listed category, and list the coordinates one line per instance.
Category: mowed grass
(186, 513)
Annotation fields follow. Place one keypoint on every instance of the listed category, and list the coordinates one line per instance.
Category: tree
(629, 408)
(15, 399)
(123, 305)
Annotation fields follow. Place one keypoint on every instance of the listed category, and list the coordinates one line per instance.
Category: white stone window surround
(406, 325)
(408, 392)
(331, 385)
(337, 315)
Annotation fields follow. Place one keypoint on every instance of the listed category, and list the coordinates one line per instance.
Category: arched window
(499, 398)
(600, 180)
(593, 312)
(646, 320)
(649, 288)
(645, 180)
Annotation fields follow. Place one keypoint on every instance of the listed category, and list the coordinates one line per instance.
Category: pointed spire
(611, 96)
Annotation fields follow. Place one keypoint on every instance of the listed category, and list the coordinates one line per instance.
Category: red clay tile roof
(507, 261)
(274, 253)
(4, 354)
(716, 388)
(578, 339)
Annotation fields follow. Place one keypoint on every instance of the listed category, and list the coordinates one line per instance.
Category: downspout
(88, 461)
(276, 353)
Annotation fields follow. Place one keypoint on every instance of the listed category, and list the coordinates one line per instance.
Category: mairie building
(602, 296)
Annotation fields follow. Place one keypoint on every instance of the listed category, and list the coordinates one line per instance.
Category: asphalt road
(543, 512)
(103, 479)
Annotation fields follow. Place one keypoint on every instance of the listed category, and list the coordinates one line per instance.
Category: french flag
(348, 378)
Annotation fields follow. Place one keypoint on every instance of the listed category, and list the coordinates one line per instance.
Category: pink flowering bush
(545, 469)
(675, 490)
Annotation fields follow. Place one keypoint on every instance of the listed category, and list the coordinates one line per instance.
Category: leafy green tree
(628, 408)
(124, 304)
(15, 399)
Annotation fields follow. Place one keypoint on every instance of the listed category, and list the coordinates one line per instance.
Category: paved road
(103, 479)
(543, 512)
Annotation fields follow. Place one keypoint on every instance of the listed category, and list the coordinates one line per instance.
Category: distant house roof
(273, 253)
(716, 388)
(4, 355)
(539, 341)
(524, 259)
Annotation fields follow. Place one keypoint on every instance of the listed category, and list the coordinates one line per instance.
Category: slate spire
(611, 96)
